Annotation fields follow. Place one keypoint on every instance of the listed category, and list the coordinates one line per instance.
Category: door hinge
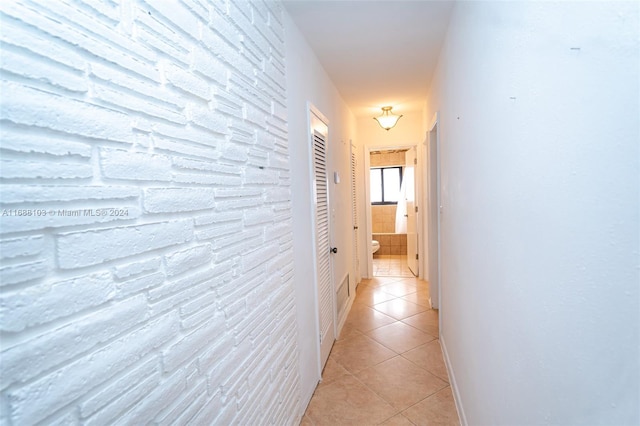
(416, 256)
(416, 209)
(415, 161)
(320, 337)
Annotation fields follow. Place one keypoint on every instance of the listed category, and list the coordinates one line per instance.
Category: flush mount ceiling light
(387, 120)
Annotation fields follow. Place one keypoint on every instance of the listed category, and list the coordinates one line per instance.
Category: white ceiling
(376, 52)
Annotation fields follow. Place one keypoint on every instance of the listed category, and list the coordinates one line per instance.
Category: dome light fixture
(387, 120)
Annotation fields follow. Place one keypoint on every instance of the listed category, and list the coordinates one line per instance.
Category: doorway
(391, 213)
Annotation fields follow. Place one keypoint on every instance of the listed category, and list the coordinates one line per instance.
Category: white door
(412, 220)
(326, 310)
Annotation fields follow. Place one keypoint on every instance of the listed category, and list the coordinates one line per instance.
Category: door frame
(367, 199)
(433, 201)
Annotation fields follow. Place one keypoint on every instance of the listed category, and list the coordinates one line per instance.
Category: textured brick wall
(146, 227)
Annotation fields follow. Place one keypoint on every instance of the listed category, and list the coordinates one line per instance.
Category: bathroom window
(385, 184)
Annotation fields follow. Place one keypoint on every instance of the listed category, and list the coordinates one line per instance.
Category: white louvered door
(326, 293)
(354, 215)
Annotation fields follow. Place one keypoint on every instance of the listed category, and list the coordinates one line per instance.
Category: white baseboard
(347, 309)
(453, 383)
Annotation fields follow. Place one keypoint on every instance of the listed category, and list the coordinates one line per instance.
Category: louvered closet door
(323, 256)
(354, 215)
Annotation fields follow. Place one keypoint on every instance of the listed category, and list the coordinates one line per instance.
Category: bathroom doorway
(391, 194)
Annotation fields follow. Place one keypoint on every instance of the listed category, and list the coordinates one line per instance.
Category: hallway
(169, 253)
(386, 366)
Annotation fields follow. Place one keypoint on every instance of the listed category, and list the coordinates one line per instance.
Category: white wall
(540, 237)
(177, 307)
(308, 82)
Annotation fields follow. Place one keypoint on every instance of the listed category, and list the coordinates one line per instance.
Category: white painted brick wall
(145, 227)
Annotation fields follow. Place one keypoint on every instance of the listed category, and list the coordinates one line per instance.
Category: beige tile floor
(386, 367)
(391, 266)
